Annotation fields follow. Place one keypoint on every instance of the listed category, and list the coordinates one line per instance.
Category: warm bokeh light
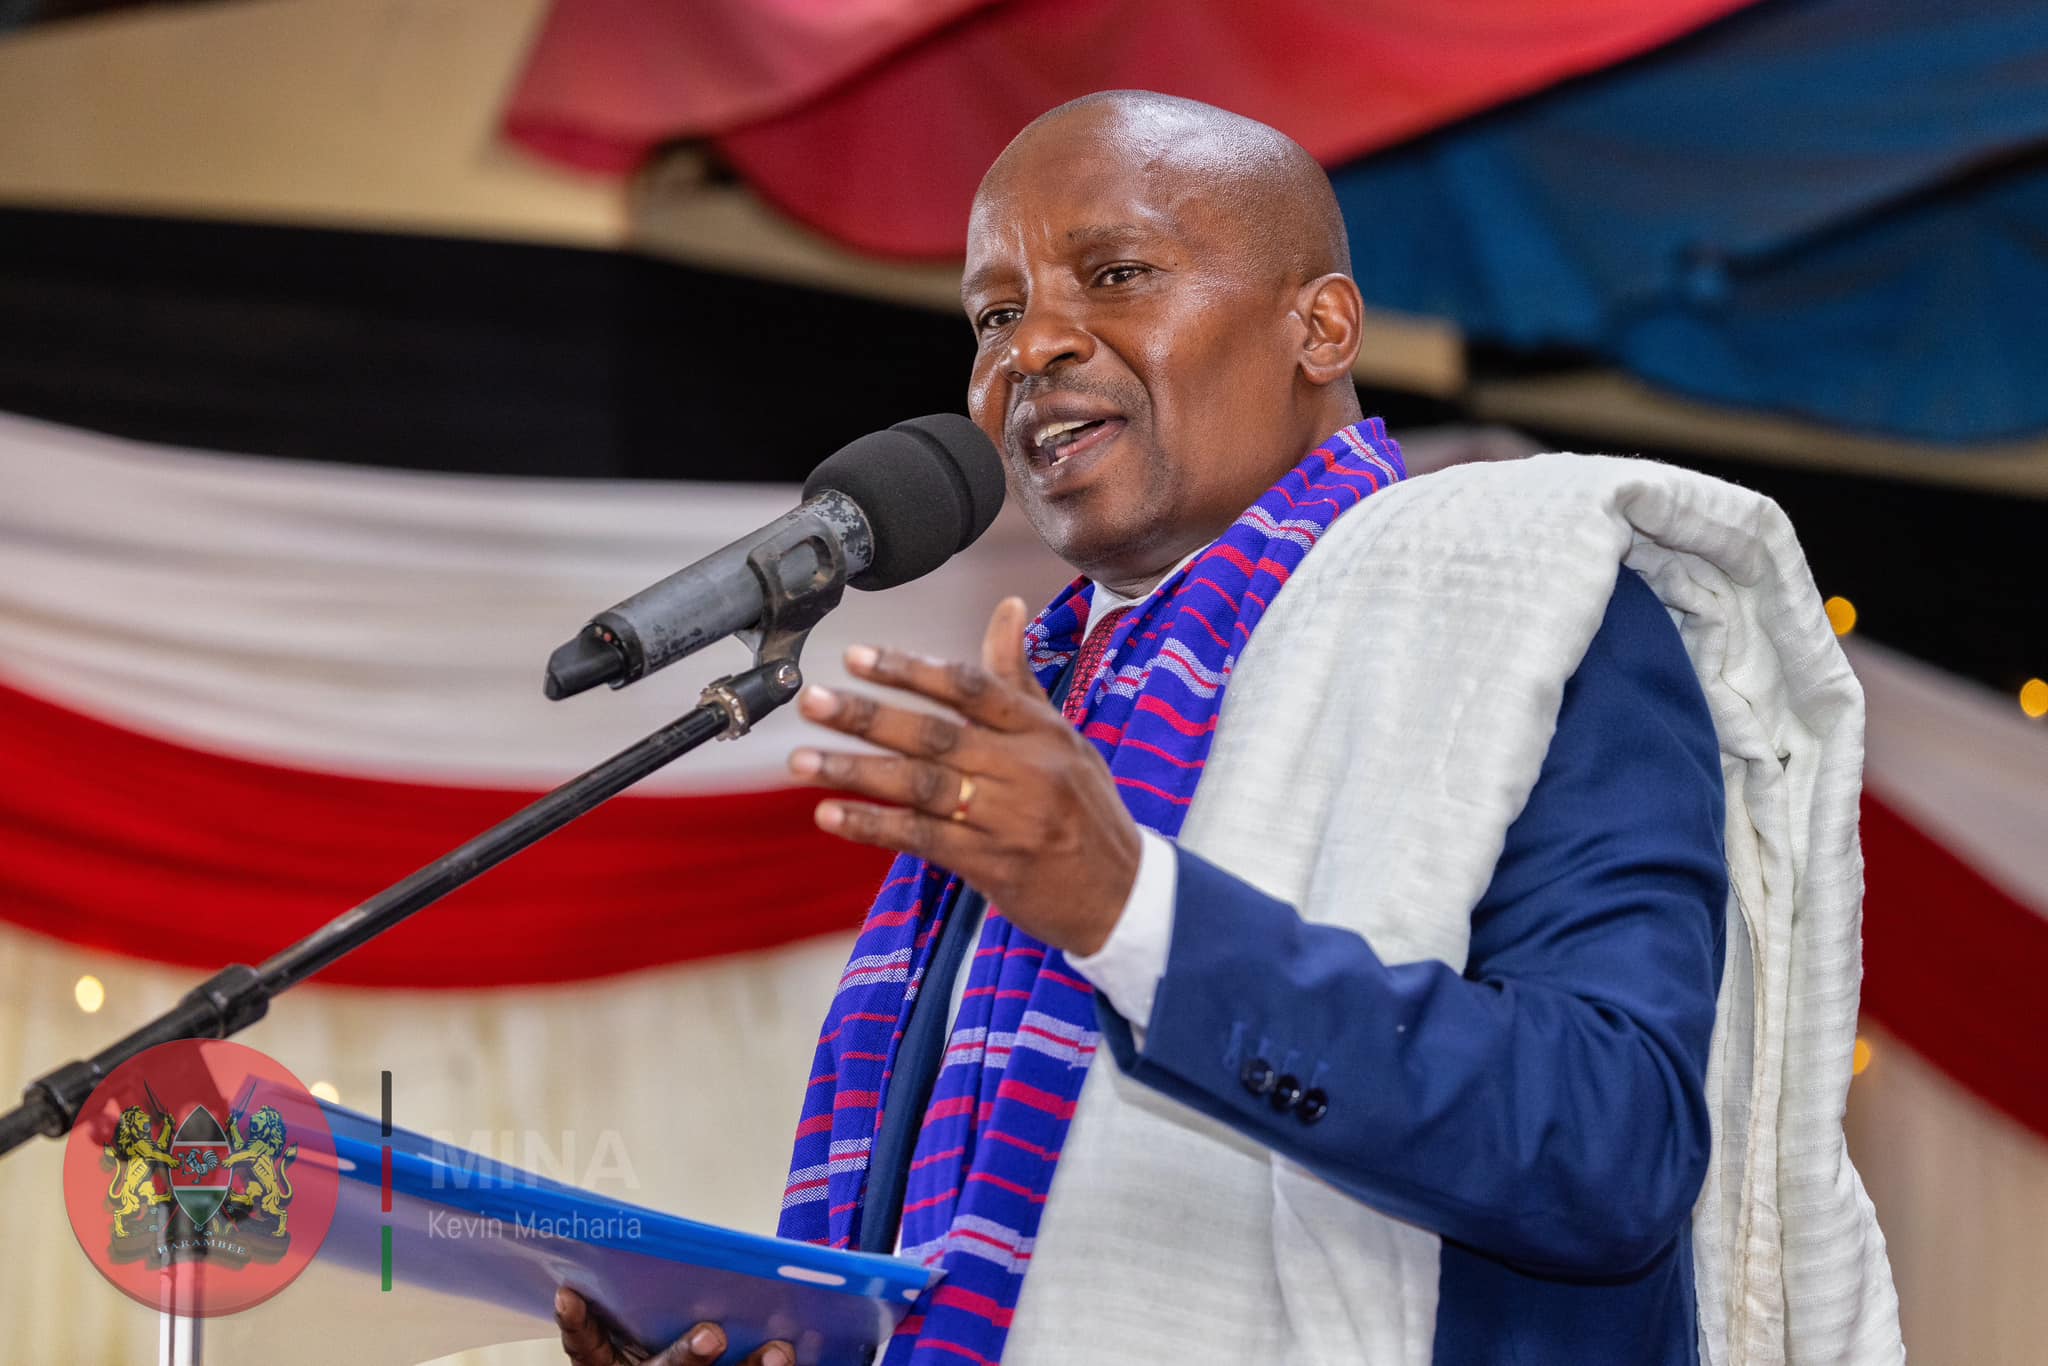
(327, 1091)
(1862, 1058)
(2034, 698)
(1841, 615)
(90, 993)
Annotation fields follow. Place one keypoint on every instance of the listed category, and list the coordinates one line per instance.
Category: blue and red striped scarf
(1025, 1033)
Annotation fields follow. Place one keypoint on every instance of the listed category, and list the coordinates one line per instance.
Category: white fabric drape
(394, 624)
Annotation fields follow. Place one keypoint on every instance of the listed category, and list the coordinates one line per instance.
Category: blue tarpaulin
(1832, 208)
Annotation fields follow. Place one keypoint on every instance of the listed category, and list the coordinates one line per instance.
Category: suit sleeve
(1545, 1107)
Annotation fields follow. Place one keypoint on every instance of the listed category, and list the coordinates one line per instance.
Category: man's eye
(995, 317)
(1119, 274)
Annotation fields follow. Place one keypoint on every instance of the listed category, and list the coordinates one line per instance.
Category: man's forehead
(1077, 213)
(1096, 197)
(1125, 164)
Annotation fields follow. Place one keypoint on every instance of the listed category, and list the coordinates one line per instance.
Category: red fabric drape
(608, 79)
(118, 841)
(886, 158)
(1952, 964)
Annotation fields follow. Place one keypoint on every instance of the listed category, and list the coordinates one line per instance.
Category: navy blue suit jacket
(1544, 1111)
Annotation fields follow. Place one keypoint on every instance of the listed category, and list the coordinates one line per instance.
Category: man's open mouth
(1055, 442)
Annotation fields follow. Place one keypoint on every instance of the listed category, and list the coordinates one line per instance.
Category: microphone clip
(787, 615)
(790, 609)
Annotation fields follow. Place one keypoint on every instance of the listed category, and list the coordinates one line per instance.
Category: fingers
(586, 1342)
(907, 831)
(1002, 647)
(583, 1341)
(998, 694)
(701, 1346)
(995, 693)
(919, 734)
(932, 788)
(927, 780)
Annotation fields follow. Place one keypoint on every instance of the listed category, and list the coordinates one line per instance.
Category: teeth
(1054, 429)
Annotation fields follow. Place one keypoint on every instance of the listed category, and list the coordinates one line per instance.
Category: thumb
(1002, 646)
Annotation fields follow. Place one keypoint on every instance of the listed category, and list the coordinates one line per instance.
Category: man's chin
(1112, 556)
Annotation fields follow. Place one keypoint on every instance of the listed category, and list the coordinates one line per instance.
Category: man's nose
(1045, 337)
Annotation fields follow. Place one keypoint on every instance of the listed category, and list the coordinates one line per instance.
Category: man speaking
(1308, 930)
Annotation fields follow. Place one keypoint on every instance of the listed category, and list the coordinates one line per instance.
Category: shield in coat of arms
(201, 1180)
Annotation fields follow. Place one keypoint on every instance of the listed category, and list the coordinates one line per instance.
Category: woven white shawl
(1382, 730)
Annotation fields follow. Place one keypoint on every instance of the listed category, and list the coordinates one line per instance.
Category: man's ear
(1331, 313)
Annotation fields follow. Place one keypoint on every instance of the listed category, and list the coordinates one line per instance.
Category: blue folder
(464, 1224)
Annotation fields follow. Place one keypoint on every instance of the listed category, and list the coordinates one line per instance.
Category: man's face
(1135, 361)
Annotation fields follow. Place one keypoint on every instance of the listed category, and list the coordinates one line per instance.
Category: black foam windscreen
(928, 487)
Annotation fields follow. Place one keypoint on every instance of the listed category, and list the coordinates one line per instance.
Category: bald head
(1164, 324)
(1255, 176)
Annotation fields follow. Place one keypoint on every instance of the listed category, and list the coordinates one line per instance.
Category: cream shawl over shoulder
(1459, 603)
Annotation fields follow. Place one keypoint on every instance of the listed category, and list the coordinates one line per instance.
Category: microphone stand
(239, 995)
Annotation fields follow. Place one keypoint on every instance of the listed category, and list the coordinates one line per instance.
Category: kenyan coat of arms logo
(204, 1170)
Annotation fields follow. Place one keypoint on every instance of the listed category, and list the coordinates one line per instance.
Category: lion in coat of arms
(269, 1187)
(136, 1154)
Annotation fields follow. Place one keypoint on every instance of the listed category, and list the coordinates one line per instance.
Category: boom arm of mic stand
(238, 996)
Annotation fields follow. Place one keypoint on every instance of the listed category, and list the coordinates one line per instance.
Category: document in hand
(477, 1249)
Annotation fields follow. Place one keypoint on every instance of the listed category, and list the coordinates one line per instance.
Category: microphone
(882, 510)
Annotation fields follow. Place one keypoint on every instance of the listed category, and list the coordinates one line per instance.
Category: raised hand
(1005, 793)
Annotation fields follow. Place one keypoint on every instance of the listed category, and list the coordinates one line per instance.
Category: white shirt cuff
(1128, 966)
